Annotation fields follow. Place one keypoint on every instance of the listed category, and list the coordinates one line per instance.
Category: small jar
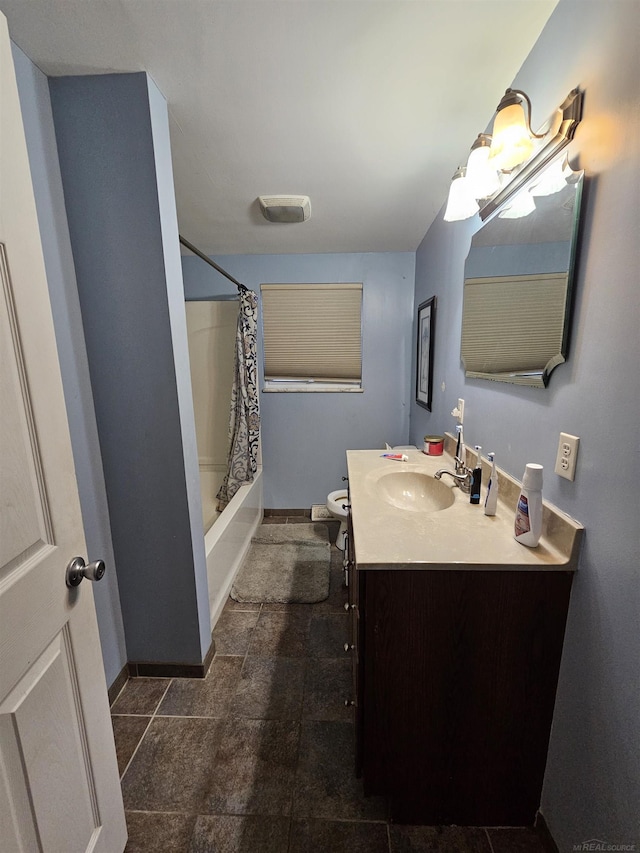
(433, 445)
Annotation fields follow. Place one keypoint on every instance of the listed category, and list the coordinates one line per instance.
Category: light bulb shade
(482, 174)
(522, 205)
(461, 203)
(553, 179)
(512, 143)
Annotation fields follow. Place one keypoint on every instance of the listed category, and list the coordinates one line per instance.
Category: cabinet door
(355, 642)
(460, 676)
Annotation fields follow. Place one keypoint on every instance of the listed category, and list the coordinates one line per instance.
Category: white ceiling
(366, 106)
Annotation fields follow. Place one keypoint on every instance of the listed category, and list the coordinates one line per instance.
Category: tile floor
(258, 756)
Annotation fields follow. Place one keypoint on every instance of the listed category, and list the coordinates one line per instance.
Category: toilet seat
(335, 501)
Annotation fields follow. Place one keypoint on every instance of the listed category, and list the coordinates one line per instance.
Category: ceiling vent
(285, 208)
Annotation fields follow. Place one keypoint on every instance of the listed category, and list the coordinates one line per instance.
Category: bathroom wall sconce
(500, 164)
(481, 168)
(521, 204)
(461, 203)
(512, 139)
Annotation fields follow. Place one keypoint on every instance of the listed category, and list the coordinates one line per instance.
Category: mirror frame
(569, 113)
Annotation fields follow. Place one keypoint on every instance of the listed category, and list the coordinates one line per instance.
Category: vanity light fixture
(553, 179)
(461, 203)
(482, 173)
(512, 138)
(521, 205)
(502, 163)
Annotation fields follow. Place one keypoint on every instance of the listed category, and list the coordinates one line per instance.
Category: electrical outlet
(567, 456)
(458, 412)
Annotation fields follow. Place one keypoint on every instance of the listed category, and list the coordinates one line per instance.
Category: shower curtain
(244, 422)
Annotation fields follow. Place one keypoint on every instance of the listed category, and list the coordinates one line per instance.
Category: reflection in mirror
(517, 287)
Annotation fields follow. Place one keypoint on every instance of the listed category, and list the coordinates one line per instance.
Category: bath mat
(285, 563)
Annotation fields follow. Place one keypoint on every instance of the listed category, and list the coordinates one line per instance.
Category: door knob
(78, 569)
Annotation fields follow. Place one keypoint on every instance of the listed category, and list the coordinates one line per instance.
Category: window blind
(523, 314)
(312, 332)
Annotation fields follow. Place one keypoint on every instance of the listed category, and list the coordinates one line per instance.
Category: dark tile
(127, 732)
(299, 519)
(140, 696)
(240, 834)
(283, 634)
(204, 697)
(273, 519)
(233, 631)
(255, 768)
(150, 832)
(438, 839)
(328, 634)
(270, 689)
(327, 685)
(171, 771)
(515, 840)
(338, 837)
(326, 785)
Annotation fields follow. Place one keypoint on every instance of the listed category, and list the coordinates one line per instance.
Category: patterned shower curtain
(244, 422)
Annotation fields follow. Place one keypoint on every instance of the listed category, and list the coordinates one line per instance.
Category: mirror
(518, 284)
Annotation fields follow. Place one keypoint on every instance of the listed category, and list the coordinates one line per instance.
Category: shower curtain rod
(211, 263)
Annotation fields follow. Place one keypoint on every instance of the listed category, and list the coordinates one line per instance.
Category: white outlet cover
(567, 456)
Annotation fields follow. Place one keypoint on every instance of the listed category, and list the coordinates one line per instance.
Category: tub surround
(458, 537)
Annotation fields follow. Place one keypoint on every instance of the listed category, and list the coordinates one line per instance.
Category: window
(312, 337)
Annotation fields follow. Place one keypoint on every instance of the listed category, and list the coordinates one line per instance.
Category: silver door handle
(78, 569)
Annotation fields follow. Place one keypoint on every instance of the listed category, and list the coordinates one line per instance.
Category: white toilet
(335, 501)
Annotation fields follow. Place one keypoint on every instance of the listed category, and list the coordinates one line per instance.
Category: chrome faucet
(462, 476)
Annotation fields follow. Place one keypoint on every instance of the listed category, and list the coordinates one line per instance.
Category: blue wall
(305, 435)
(592, 783)
(33, 89)
(517, 259)
(109, 134)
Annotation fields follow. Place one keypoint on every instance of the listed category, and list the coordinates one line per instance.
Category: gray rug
(285, 563)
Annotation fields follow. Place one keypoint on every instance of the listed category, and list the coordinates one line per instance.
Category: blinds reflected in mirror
(513, 327)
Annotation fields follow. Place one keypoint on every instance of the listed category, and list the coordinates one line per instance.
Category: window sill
(310, 388)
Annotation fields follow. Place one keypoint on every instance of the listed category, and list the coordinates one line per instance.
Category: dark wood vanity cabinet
(455, 675)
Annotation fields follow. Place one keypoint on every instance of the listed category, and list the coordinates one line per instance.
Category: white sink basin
(415, 491)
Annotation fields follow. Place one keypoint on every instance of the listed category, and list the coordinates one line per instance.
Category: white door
(59, 786)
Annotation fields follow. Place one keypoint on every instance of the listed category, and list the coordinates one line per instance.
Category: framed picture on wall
(424, 369)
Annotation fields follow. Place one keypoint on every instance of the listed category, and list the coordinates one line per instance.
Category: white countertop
(459, 537)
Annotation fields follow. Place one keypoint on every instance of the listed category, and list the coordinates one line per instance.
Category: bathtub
(228, 534)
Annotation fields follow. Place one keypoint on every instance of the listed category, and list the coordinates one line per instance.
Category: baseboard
(544, 833)
(161, 669)
(118, 683)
